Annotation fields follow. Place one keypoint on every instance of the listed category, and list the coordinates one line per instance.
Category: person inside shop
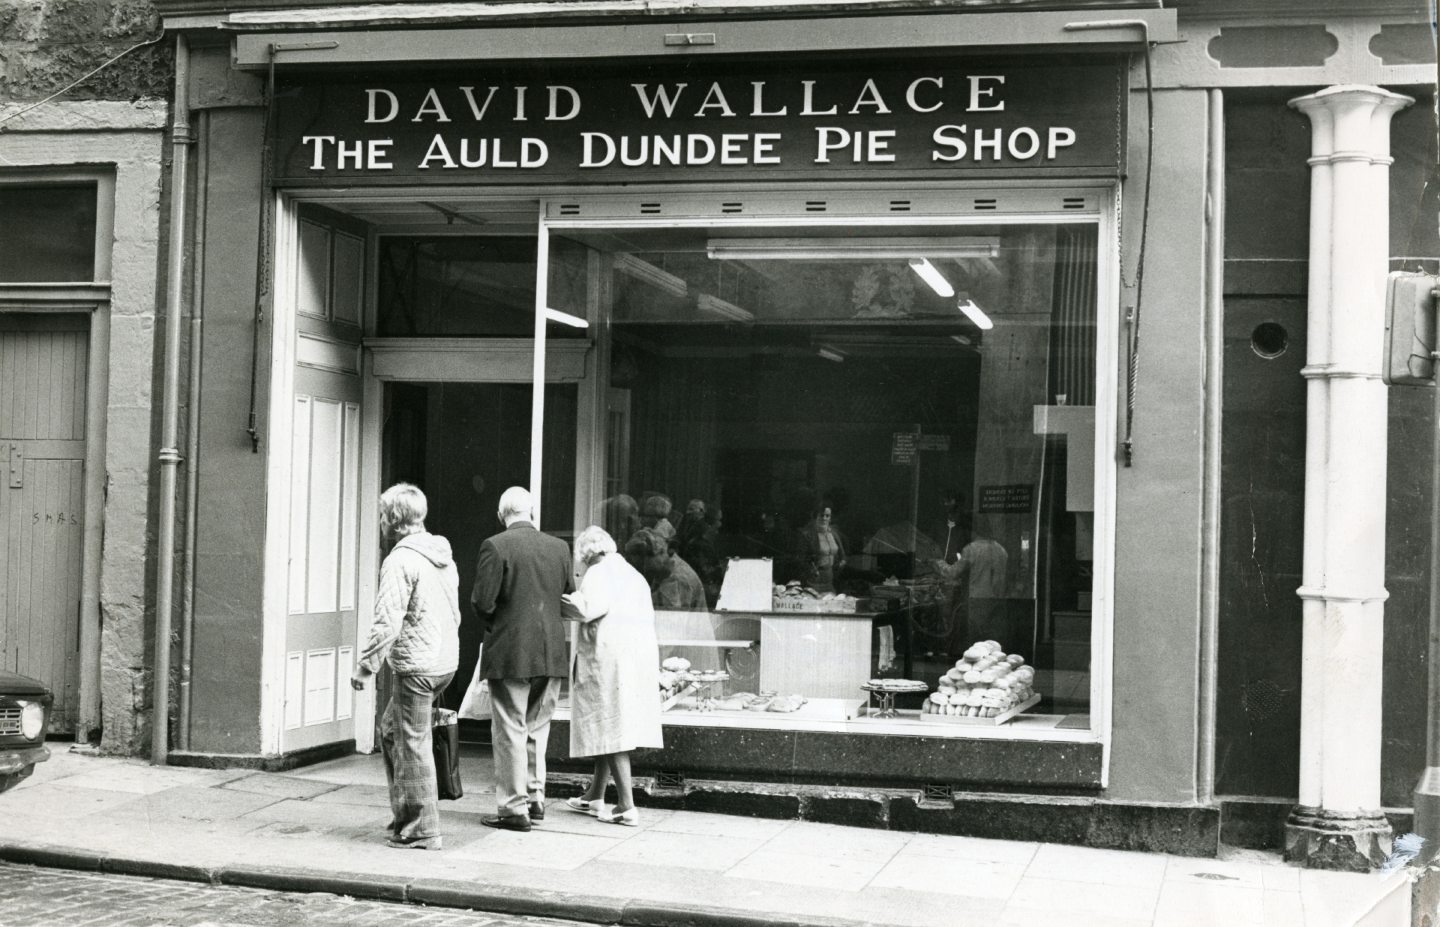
(614, 674)
(698, 544)
(620, 515)
(655, 511)
(690, 523)
(951, 535)
(977, 585)
(821, 550)
(416, 629)
(673, 584)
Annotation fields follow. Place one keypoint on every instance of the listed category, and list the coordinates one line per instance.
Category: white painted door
(42, 501)
(324, 475)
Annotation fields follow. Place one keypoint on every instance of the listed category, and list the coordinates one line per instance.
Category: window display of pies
(985, 682)
(896, 685)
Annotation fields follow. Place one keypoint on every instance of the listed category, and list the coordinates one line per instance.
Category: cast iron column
(1337, 823)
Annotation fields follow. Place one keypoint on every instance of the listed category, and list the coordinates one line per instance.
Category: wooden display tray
(816, 710)
(996, 721)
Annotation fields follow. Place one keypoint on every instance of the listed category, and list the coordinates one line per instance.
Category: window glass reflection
(47, 233)
(898, 427)
(461, 286)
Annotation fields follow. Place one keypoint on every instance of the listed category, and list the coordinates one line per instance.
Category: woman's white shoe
(629, 818)
(585, 807)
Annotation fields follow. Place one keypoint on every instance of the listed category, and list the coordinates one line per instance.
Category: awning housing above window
(338, 37)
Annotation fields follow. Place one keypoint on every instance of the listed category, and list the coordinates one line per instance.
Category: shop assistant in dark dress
(519, 580)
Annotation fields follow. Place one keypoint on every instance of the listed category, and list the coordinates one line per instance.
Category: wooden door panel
(42, 503)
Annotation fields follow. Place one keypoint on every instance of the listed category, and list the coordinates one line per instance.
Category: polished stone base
(1182, 830)
(1320, 839)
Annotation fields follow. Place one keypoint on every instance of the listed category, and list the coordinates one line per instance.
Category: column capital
(1350, 123)
(1351, 95)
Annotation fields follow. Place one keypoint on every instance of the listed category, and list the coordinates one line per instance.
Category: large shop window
(851, 458)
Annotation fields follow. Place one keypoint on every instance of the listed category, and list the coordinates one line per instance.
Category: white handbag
(476, 703)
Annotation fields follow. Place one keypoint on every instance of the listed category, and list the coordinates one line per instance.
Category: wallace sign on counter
(508, 125)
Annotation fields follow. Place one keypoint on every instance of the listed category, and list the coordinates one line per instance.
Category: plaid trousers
(409, 759)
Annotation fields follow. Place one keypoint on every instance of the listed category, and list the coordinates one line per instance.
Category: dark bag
(445, 741)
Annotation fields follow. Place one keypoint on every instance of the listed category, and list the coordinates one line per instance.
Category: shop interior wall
(1263, 459)
(1157, 541)
(229, 575)
(464, 445)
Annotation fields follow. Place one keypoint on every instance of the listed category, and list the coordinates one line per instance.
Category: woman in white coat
(614, 676)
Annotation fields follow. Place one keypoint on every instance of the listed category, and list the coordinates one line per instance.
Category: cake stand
(704, 683)
(885, 695)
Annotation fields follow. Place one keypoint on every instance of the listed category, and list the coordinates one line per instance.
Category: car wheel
(10, 780)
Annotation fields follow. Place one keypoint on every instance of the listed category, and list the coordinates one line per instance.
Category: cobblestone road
(32, 896)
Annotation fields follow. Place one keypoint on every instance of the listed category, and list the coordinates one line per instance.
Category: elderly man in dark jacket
(518, 583)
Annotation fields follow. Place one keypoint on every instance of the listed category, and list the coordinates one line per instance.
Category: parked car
(24, 718)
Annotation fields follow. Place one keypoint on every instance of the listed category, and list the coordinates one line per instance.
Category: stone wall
(46, 44)
(111, 124)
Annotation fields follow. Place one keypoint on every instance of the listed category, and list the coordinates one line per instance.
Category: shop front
(834, 345)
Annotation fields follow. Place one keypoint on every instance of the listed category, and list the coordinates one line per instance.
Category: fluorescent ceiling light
(831, 354)
(975, 314)
(849, 249)
(717, 306)
(644, 271)
(933, 277)
(565, 318)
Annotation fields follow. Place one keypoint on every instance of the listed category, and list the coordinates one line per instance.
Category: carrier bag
(445, 741)
(476, 703)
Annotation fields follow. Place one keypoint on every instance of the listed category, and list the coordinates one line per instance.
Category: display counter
(814, 654)
(818, 654)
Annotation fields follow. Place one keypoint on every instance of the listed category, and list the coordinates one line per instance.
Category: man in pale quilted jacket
(417, 629)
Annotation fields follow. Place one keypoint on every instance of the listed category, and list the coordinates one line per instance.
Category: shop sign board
(903, 446)
(1022, 116)
(1007, 499)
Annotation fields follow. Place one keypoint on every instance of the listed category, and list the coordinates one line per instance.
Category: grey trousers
(519, 732)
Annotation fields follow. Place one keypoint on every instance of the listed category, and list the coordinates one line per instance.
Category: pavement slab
(1102, 867)
(967, 878)
(374, 795)
(540, 849)
(188, 804)
(279, 786)
(321, 829)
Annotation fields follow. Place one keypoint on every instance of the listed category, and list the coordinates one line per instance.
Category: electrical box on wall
(1410, 337)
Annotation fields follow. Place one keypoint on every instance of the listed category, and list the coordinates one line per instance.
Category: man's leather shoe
(517, 822)
(537, 811)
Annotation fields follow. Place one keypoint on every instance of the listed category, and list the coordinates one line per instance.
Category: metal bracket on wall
(16, 466)
(690, 38)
